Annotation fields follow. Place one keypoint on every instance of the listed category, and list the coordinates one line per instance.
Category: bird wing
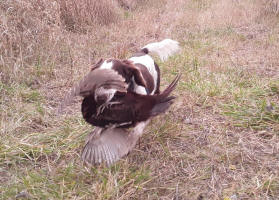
(106, 78)
(106, 146)
(111, 144)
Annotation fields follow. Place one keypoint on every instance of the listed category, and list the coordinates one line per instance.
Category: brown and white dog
(142, 76)
(110, 107)
(120, 94)
(141, 72)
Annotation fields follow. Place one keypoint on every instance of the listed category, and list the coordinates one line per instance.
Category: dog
(120, 94)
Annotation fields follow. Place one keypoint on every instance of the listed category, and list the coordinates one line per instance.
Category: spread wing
(97, 78)
(110, 145)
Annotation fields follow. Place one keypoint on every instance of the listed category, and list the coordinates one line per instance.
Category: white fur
(163, 49)
(106, 65)
(148, 62)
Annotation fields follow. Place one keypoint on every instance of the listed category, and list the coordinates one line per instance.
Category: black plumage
(129, 109)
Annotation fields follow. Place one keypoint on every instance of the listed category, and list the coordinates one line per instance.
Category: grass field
(220, 140)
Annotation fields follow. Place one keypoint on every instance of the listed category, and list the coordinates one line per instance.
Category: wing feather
(97, 78)
(111, 144)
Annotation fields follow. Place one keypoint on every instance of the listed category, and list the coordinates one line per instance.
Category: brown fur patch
(147, 77)
(157, 91)
(140, 53)
(128, 70)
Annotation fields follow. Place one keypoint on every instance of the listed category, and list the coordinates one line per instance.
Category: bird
(114, 142)
(130, 109)
(108, 102)
(120, 97)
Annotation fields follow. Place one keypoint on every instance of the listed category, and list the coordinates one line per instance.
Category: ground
(220, 139)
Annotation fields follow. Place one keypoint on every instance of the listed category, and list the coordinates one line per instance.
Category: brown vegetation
(219, 141)
(78, 15)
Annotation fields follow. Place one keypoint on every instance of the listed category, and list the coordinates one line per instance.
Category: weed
(219, 137)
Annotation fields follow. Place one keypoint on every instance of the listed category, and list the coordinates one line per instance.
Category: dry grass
(78, 15)
(220, 139)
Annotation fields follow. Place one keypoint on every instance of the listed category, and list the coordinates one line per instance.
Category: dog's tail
(163, 49)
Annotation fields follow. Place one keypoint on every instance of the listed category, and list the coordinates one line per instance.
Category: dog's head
(125, 68)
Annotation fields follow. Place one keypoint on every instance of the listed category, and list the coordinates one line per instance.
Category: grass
(218, 141)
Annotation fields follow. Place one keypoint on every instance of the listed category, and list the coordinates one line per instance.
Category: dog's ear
(98, 64)
(138, 77)
(136, 73)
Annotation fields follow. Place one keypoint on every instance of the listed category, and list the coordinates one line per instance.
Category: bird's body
(130, 108)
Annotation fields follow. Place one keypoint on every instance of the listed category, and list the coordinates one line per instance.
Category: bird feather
(96, 78)
(110, 144)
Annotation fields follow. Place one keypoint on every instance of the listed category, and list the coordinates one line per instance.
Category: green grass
(219, 139)
(250, 101)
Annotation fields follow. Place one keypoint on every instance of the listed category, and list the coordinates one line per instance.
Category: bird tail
(108, 145)
(163, 49)
(164, 100)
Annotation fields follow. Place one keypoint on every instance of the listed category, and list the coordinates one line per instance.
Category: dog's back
(148, 67)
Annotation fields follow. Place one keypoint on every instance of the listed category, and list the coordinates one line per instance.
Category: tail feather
(161, 108)
(163, 49)
(170, 88)
(164, 100)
